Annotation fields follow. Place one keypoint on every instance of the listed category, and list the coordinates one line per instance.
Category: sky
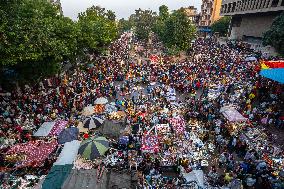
(123, 8)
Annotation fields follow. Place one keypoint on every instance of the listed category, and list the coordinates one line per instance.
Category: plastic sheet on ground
(68, 153)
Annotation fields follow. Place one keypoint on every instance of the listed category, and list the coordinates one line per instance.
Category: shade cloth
(57, 128)
(84, 179)
(44, 129)
(68, 135)
(68, 153)
(36, 152)
(56, 176)
(232, 114)
(276, 74)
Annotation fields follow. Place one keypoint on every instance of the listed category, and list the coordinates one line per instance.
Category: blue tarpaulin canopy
(274, 74)
(68, 135)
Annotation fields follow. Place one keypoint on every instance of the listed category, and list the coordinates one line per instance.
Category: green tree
(275, 35)
(35, 38)
(221, 26)
(179, 31)
(159, 26)
(97, 29)
(125, 25)
(144, 21)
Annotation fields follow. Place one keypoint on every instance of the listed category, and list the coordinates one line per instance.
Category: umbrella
(93, 122)
(93, 147)
(101, 100)
(88, 111)
(68, 135)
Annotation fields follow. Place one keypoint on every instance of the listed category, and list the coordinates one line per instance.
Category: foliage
(143, 22)
(275, 35)
(97, 29)
(221, 26)
(124, 25)
(175, 30)
(159, 26)
(35, 38)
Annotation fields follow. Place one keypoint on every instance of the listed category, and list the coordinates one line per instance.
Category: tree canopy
(275, 35)
(221, 26)
(97, 29)
(143, 22)
(174, 30)
(35, 38)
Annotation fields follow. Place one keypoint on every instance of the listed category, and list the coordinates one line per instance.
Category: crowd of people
(174, 127)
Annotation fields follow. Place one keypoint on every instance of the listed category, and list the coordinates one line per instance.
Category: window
(274, 3)
(234, 7)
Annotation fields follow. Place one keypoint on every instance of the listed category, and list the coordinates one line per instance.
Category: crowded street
(205, 119)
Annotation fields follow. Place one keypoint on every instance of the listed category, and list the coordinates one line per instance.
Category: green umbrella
(93, 147)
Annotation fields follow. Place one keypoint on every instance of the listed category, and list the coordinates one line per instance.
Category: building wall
(253, 25)
(210, 12)
(216, 11)
(237, 7)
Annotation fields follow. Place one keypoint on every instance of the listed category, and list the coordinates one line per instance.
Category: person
(100, 171)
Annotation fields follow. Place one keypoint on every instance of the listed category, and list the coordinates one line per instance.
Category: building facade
(210, 12)
(192, 14)
(251, 18)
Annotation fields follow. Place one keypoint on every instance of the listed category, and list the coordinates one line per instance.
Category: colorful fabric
(178, 124)
(36, 152)
(58, 128)
(150, 143)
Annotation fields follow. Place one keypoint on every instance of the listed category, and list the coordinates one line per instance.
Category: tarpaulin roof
(276, 74)
(81, 179)
(232, 114)
(68, 135)
(68, 153)
(56, 176)
(44, 129)
(36, 152)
